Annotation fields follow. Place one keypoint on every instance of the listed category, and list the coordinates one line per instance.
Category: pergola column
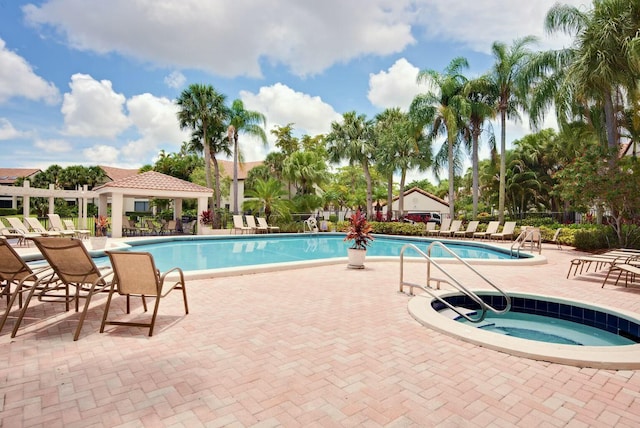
(25, 199)
(203, 204)
(52, 199)
(116, 215)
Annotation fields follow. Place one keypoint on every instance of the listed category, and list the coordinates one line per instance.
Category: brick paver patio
(320, 346)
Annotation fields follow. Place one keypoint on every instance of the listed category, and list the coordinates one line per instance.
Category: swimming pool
(205, 253)
(543, 328)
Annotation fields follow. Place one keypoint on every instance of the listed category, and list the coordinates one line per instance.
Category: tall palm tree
(248, 122)
(401, 147)
(353, 140)
(590, 78)
(443, 110)
(202, 109)
(510, 80)
(481, 96)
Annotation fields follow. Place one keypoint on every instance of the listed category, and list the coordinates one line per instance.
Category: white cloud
(53, 146)
(232, 38)
(17, 79)
(396, 87)
(282, 105)
(157, 123)
(478, 24)
(101, 154)
(7, 131)
(93, 109)
(175, 80)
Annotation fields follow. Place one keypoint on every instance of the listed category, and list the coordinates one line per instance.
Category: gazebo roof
(152, 181)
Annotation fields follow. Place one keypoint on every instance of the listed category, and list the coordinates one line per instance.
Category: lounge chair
(251, 222)
(599, 260)
(9, 232)
(136, 275)
(444, 226)
(56, 225)
(455, 226)
(262, 222)
(629, 266)
(73, 265)
(238, 225)
(492, 228)
(429, 227)
(37, 227)
(507, 231)
(150, 227)
(16, 274)
(555, 240)
(170, 227)
(18, 227)
(80, 233)
(188, 228)
(469, 231)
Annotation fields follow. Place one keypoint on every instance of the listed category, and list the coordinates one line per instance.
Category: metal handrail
(484, 307)
(521, 241)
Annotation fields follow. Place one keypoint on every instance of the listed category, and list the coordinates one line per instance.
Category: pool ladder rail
(484, 307)
(530, 236)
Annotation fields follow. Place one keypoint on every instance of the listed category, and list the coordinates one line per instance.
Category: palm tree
(248, 122)
(268, 197)
(353, 140)
(306, 169)
(481, 96)
(510, 81)
(443, 111)
(591, 78)
(401, 147)
(202, 109)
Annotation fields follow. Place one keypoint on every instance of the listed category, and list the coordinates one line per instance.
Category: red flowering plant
(359, 231)
(102, 224)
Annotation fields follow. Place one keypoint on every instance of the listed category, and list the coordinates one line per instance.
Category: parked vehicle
(423, 217)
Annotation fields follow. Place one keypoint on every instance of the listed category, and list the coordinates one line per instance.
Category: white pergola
(27, 192)
(148, 185)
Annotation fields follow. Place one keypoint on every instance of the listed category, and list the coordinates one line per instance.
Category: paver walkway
(322, 346)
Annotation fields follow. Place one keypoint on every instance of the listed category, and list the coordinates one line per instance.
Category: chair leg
(106, 308)
(22, 312)
(184, 296)
(155, 313)
(83, 315)
(12, 298)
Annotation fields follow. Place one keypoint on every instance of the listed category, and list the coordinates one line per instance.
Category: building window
(141, 206)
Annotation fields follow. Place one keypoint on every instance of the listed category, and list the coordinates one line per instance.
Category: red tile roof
(8, 176)
(116, 174)
(152, 180)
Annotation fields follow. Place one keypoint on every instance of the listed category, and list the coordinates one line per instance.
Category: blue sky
(94, 82)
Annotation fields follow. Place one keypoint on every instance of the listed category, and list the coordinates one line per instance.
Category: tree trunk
(475, 180)
(503, 164)
(367, 176)
(403, 176)
(218, 196)
(390, 197)
(207, 167)
(452, 176)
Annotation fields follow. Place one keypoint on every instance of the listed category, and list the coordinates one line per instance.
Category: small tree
(590, 181)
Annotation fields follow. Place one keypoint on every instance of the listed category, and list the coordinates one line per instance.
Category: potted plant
(359, 231)
(100, 240)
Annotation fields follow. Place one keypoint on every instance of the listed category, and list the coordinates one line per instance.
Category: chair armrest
(179, 282)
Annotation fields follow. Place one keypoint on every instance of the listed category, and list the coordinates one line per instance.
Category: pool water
(239, 251)
(550, 330)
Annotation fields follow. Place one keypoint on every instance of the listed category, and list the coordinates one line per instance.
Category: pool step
(451, 314)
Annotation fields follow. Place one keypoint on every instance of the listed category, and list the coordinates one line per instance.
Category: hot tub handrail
(427, 289)
(453, 281)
